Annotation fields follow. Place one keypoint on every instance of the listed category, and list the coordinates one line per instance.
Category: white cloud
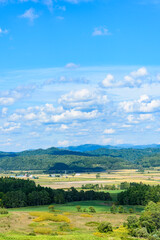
(126, 126)
(72, 114)
(143, 104)
(6, 101)
(63, 143)
(83, 99)
(9, 127)
(140, 118)
(63, 127)
(109, 131)
(101, 31)
(134, 79)
(15, 117)
(30, 15)
(71, 65)
(141, 72)
(34, 134)
(108, 81)
(4, 111)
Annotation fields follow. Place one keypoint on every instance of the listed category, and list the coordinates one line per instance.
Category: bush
(65, 227)
(121, 209)
(78, 208)
(43, 216)
(51, 208)
(92, 224)
(92, 209)
(44, 231)
(140, 232)
(3, 211)
(105, 227)
(132, 222)
(131, 210)
(86, 215)
(113, 209)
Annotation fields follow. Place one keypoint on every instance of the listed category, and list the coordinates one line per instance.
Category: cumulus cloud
(140, 118)
(63, 127)
(47, 114)
(141, 72)
(101, 31)
(144, 104)
(4, 111)
(9, 127)
(83, 99)
(134, 79)
(71, 65)
(73, 114)
(30, 15)
(108, 81)
(109, 131)
(11, 96)
(5, 101)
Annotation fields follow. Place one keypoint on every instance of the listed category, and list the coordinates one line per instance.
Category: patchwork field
(151, 177)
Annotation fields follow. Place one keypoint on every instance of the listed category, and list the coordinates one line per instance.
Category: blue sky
(79, 71)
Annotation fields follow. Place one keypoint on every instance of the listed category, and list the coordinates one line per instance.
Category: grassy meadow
(38, 223)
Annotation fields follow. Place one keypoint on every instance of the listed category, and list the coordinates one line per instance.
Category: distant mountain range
(88, 157)
(92, 147)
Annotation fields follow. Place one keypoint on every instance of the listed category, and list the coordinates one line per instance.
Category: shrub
(105, 227)
(3, 211)
(65, 227)
(67, 213)
(98, 234)
(51, 208)
(113, 209)
(92, 209)
(32, 234)
(41, 230)
(85, 215)
(42, 216)
(78, 208)
(121, 209)
(92, 224)
(140, 232)
(132, 222)
(131, 210)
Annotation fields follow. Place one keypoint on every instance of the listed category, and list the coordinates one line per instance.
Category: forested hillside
(97, 160)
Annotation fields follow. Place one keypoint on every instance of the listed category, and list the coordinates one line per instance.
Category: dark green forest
(91, 161)
(139, 194)
(21, 193)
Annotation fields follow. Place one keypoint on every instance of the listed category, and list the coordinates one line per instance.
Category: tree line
(21, 193)
(139, 194)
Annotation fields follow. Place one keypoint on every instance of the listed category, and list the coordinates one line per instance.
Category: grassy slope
(100, 206)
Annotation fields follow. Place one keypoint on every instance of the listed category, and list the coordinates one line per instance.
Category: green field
(100, 206)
